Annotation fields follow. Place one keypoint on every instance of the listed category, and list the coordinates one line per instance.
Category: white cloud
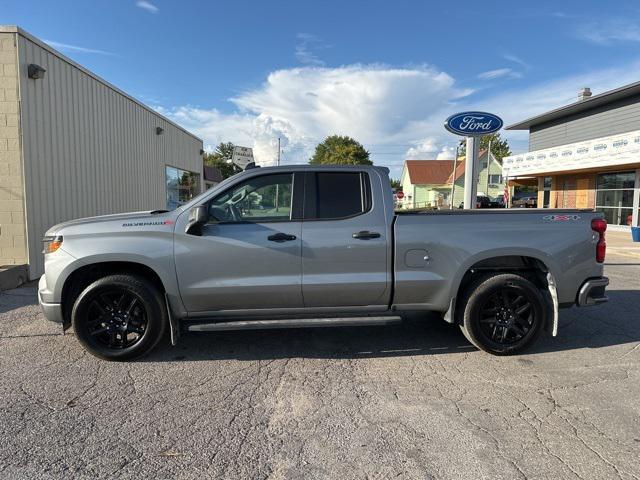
(148, 6)
(382, 107)
(609, 32)
(306, 49)
(397, 113)
(431, 149)
(499, 73)
(517, 60)
(76, 48)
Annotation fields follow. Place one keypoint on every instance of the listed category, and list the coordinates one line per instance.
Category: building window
(495, 179)
(182, 186)
(546, 192)
(614, 197)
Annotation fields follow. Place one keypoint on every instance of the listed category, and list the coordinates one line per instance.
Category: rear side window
(336, 195)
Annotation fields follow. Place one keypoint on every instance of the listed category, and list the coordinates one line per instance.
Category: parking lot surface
(407, 401)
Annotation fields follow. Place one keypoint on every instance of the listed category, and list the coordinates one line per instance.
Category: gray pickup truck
(297, 246)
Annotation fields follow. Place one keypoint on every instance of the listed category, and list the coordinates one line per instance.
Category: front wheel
(119, 317)
(504, 313)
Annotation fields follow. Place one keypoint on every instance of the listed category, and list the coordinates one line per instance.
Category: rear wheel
(504, 313)
(119, 317)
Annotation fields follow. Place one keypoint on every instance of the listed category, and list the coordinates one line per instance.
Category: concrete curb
(12, 276)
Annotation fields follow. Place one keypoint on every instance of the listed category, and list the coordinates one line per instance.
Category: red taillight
(599, 225)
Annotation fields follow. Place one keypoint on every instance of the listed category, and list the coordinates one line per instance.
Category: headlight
(52, 243)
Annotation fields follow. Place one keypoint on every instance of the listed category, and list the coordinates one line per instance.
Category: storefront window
(614, 197)
(182, 186)
(546, 193)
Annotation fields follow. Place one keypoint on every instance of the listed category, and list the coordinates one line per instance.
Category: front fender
(153, 250)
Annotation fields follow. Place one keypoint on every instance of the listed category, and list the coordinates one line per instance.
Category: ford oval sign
(471, 124)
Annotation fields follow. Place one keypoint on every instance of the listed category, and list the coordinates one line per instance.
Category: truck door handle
(281, 237)
(365, 235)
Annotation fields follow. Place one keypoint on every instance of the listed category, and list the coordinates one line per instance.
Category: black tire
(503, 314)
(120, 317)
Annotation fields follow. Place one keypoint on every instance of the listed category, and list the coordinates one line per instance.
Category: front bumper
(592, 292)
(51, 311)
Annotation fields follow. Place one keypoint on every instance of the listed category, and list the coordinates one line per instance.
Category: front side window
(340, 195)
(495, 178)
(182, 186)
(259, 199)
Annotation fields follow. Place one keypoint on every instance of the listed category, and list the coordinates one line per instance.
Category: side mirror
(198, 216)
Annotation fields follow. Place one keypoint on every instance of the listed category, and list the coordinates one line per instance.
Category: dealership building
(585, 155)
(72, 145)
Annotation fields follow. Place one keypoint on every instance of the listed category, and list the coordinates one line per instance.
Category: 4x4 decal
(561, 218)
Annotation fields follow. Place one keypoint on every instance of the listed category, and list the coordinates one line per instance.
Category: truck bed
(434, 249)
(487, 211)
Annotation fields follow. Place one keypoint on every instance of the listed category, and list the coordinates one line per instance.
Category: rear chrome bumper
(592, 292)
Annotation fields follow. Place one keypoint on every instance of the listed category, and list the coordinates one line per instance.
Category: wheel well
(84, 276)
(529, 267)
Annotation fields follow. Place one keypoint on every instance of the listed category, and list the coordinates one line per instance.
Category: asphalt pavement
(413, 400)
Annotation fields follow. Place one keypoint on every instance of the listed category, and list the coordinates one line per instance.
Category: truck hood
(118, 220)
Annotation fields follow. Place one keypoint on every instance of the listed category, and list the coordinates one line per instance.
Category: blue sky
(386, 72)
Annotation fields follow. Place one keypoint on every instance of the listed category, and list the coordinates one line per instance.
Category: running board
(296, 323)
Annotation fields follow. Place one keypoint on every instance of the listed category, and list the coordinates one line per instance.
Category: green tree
(395, 184)
(339, 150)
(221, 159)
(499, 147)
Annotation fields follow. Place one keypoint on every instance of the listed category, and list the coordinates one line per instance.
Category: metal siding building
(83, 148)
(619, 116)
(586, 155)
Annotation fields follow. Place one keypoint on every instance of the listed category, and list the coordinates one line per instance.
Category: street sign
(471, 124)
(399, 195)
(242, 156)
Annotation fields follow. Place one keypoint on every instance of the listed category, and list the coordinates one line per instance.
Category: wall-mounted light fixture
(35, 71)
(159, 130)
(201, 152)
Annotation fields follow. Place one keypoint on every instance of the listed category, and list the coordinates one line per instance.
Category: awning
(523, 182)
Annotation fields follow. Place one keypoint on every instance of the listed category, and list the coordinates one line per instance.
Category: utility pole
(488, 167)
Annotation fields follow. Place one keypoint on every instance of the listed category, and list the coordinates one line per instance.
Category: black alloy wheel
(116, 318)
(507, 316)
(120, 317)
(502, 313)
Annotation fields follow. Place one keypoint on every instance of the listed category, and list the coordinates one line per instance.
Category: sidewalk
(620, 244)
